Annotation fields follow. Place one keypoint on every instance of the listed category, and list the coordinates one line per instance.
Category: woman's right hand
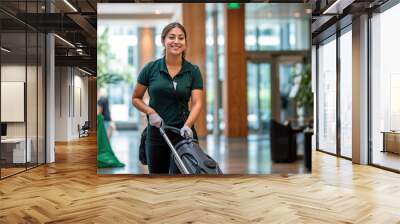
(155, 120)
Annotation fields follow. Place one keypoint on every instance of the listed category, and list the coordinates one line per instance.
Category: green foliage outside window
(305, 95)
(104, 57)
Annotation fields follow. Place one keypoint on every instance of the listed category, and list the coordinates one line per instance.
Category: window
(121, 58)
(214, 51)
(346, 94)
(22, 65)
(130, 55)
(327, 96)
(270, 28)
(385, 88)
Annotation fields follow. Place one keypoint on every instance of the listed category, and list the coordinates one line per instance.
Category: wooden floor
(249, 155)
(10, 171)
(386, 159)
(70, 191)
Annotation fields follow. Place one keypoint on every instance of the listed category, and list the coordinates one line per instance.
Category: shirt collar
(185, 66)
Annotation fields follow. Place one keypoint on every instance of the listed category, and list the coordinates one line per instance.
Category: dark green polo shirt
(161, 88)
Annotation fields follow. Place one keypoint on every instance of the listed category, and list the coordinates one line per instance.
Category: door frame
(275, 58)
(259, 130)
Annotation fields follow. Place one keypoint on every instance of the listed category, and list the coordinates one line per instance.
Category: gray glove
(155, 120)
(186, 132)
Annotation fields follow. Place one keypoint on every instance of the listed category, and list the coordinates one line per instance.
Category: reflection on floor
(14, 168)
(10, 171)
(235, 155)
(386, 159)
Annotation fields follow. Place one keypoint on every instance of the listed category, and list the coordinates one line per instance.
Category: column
(235, 84)
(360, 90)
(196, 51)
(92, 103)
(146, 45)
(216, 86)
(50, 98)
(275, 91)
(146, 53)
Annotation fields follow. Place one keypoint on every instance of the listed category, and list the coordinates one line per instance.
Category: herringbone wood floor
(70, 191)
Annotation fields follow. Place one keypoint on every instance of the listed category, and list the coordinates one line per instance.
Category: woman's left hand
(186, 132)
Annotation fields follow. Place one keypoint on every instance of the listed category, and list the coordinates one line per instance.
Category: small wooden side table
(391, 141)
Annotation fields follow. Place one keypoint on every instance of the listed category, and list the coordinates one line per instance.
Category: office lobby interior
(242, 95)
(50, 79)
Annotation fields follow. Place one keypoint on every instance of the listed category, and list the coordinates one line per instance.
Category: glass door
(258, 97)
(327, 128)
(15, 150)
(289, 72)
(345, 94)
(385, 90)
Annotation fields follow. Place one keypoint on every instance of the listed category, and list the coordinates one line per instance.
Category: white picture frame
(12, 101)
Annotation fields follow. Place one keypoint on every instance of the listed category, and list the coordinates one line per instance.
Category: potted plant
(304, 95)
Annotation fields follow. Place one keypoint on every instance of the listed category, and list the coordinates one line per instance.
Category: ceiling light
(331, 7)
(338, 6)
(5, 50)
(70, 5)
(157, 12)
(86, 72)
(308, 11)
(296, 14)
(64, 40)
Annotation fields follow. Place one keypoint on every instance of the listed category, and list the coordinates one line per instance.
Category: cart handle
(173, 129)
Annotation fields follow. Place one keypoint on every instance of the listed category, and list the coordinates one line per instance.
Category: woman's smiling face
(175, 41)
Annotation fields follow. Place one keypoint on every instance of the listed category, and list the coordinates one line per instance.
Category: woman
(171, 81)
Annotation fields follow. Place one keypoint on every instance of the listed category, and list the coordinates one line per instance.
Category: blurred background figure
(104, 109)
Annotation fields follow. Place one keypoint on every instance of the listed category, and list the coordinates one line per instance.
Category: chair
(84, 130)
(283, 143)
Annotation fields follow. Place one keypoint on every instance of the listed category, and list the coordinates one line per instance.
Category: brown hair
(169, 27)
